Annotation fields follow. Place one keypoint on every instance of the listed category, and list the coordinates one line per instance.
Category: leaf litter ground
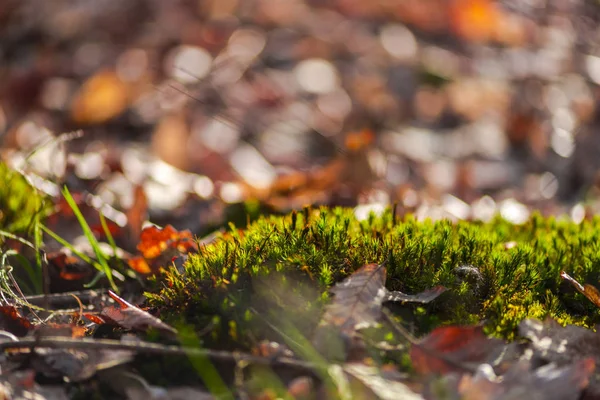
(361, 341)
(412, 113)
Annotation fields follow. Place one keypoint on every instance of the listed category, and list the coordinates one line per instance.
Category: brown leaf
(358, 299)
(563, 346)
(11, 321)
(131, 317)
(65, 330)
(450, 348)
(589, 291)
(137, 213)
(373, 385)
(423, 297)
(549, 382)
(69, 268)
(77, 365)
(94, 318)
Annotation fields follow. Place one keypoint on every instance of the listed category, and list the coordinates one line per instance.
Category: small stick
(65, 300)
(61, 342)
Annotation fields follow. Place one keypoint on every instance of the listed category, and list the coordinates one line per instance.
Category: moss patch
(19, 202)
(278, 270)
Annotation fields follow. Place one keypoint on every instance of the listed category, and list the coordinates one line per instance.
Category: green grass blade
(100, 256)
(34, 277)
(110, 239)
(207, 371)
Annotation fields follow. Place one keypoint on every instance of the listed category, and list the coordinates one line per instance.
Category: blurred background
(445, 108)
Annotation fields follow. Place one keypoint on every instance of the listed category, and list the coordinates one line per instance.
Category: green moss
(19, 202)
(280, 268)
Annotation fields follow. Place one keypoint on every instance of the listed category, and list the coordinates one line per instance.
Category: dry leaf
(589, 291)
(102, 97)
(131, 317)
(452, 348)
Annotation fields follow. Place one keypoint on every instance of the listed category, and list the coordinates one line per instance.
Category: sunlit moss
(19, 202)
(497, 273)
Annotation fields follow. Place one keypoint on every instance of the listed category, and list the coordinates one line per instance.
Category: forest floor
(264, 199)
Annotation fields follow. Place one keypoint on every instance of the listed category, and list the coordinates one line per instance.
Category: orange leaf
(11, 321)
(139, 265)
(474, 20)
(102, 97)
(359, 140)
(94, 318)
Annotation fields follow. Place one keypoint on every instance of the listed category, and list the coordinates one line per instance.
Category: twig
(61, 342)
(66, 300)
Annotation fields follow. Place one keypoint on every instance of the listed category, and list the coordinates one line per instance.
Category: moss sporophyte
(279, 269)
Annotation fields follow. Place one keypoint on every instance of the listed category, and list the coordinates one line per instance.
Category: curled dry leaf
(589, 291)
(426, 296)
(129, 316)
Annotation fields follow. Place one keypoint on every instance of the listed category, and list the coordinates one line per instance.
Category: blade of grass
(207, 371)
(69, 246)
(17, 238)
(31, 273)
(100, 256)
(110, 239)
(84, 257)
(34, 274)
(37, 241)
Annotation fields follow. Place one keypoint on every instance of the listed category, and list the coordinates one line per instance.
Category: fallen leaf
(102, 97)
(159, 246)
(376, 386)
(137, 213)
(475, 20)
(23, 385)
(454, 348)
(77, 365)
(589, 291)
(131, 317)
(563, 346)
(356, 305)
(64, 330)
(548, 382)
(424, 297)
(69, 268)
(11, 321)
(358, 299)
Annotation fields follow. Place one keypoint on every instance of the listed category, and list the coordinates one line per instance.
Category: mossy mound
(280, 268)
(20, 203)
